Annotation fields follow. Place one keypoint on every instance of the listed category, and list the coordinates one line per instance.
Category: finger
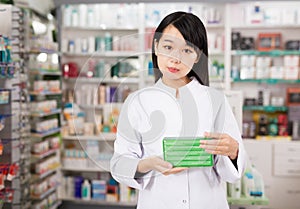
(214, 135)
(175, 170)
(217, 152)
(210, 147)
(164, 164)
(211, 142)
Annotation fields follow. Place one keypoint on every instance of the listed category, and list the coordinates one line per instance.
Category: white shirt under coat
(149, 115)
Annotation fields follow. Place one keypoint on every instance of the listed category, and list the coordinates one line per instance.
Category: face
(175, 57)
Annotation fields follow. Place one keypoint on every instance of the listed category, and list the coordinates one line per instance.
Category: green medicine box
(185, 152)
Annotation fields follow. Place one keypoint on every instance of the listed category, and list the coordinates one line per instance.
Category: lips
(173, 69)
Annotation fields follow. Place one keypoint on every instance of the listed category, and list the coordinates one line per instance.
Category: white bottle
(86, 190)
(75, 17)
(258, 183)
(67, 15)
(236, 193)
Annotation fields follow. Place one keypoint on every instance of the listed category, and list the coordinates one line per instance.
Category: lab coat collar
(162, 85)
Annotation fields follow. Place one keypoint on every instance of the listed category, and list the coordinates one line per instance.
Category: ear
(198, 57)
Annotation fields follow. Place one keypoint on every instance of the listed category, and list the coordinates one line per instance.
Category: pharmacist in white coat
(180, 104)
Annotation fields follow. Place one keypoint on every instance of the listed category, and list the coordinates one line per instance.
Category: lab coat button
(184, 201)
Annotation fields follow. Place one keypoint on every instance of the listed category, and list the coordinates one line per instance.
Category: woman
(180, 104)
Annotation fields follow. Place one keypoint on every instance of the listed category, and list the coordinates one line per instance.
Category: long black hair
(194, 32)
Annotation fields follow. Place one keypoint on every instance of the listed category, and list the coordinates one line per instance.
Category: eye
(188, 51)
(167, 47)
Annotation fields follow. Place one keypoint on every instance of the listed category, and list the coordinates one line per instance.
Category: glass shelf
(46, 133)
(99, 202)
(273, 53)
(248, 201)
(267, 80)
(130, 29)
(44, 114)
(45, 72)
(277, 138)
(266, 108)
(101, 137)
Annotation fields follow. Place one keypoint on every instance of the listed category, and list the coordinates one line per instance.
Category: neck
(176, 83)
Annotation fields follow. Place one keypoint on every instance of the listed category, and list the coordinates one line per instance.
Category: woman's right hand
(158, 164)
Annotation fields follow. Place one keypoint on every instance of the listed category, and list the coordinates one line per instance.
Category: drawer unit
(286, 159)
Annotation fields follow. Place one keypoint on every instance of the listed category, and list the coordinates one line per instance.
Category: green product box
(185, 152)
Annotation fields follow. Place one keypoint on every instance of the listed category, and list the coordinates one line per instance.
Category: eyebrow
(169, 40)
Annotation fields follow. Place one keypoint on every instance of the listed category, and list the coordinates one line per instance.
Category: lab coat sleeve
(128, 150)
(225, 122)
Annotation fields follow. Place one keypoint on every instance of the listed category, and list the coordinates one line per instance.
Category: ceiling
(60, 2)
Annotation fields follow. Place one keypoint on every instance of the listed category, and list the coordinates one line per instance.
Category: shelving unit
(14, 129)
(44, 89)
(248, 201)
(232, 20)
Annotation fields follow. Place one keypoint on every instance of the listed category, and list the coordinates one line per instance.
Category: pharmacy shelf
(44, 93)
(274, 138)
(55, 205)
(266, 26)
(216, 53)
(215, 26)
(87, 169)
(43, 50)
(267, 81)
(35, 177)
(35, 157)
(44, 114)
(101, 137)
(116, 54)
(45, 134)
(248, 201)
(272, 53)
(44, 195)
(97, 29)
(103, 80)
(91, 106)
(45, 72)
(266, 108)
(99, 202)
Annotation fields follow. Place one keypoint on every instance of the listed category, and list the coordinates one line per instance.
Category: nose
(176, 56)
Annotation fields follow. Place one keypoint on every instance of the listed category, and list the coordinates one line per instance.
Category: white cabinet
(278, 162)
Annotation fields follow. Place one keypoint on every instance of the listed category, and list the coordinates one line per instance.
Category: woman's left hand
(220, 144)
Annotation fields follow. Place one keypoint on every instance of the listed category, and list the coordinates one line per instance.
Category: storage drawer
(287, 149)
(286, 159)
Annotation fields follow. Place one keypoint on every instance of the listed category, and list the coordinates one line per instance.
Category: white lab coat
(149, 115)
